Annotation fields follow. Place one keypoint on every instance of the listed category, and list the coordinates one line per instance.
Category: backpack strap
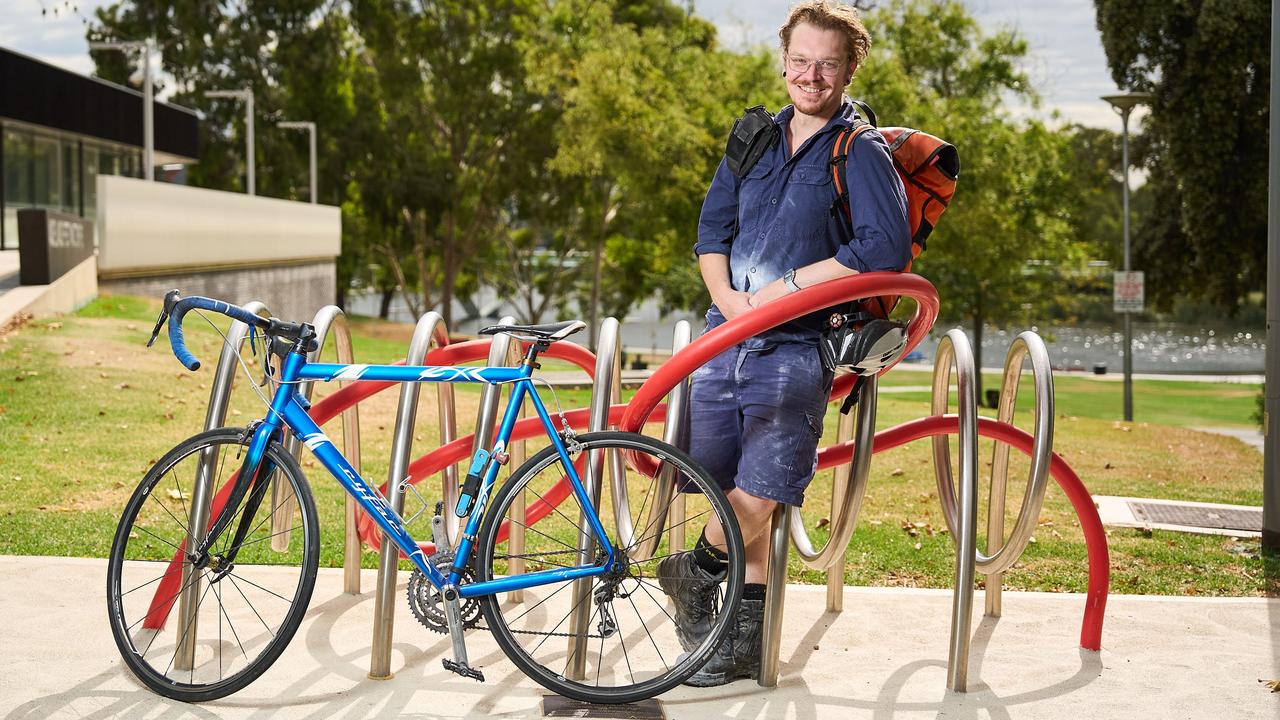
(839, 164)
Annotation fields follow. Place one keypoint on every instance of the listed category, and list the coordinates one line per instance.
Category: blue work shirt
(779, 215)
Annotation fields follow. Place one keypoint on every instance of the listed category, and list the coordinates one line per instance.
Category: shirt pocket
(754, 188)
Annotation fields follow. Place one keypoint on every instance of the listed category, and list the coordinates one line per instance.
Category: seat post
(531, 355)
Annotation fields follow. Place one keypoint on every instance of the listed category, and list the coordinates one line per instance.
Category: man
(757, 409)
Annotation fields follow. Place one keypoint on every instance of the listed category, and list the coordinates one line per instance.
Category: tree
(455, 105)
(640, 130)
(1204, 144)
(932, 68)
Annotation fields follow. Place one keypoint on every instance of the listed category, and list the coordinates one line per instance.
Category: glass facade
(58, 171)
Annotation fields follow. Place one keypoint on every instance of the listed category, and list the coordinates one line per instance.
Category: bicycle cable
(266, 375)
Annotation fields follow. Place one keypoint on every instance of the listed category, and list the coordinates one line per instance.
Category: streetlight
(1124, 105)
(247, 96)
(310, 127)
(147, 47)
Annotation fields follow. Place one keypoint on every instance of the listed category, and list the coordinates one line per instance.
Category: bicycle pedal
(462, 669)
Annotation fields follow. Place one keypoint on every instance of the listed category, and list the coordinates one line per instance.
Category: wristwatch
(789, 279)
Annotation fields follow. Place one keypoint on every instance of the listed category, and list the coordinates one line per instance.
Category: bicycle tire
(602, 677)
(152, 533)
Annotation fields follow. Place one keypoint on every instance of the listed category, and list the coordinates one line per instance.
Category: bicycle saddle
(549, 332)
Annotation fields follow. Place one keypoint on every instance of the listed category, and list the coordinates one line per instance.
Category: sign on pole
(1130, 292)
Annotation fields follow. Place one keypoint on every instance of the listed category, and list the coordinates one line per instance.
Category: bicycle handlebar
(176, 308)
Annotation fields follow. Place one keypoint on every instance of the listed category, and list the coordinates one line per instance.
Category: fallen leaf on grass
(122, 386)
(176, 494)
(917, 546)
(896, 472)
(823, 522)
(53, 326)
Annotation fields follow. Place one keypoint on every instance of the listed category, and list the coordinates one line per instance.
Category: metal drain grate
(557, 706)
(1195, 516)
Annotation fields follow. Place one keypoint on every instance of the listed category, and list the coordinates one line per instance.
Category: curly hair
(830, 16)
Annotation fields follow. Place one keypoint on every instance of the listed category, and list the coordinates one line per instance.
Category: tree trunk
(596, 264)
(384, 305)
(977, 357)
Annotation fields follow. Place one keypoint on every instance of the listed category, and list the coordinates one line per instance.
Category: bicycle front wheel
(611, 638)
(197, 632)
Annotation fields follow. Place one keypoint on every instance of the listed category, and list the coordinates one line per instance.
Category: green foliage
(1205, 142)
(545, 148)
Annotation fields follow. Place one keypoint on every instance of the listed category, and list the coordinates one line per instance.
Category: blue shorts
(756, 416)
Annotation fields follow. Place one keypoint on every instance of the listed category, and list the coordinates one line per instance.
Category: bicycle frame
(288, 408)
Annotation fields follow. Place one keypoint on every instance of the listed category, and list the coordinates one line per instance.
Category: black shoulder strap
(752, 134)
(867, 112)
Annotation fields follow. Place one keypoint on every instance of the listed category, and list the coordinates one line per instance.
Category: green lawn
(85, 409)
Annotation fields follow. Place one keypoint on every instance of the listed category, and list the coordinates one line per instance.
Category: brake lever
(159, 324)
(170, 299)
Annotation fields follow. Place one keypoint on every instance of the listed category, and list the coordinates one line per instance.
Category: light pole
(1271, 403)
(310, 127)
(147, 47)
(1124, 105)
(247, 96)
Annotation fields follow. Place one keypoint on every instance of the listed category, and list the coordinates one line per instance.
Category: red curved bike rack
(644, 407)
(1095, 536)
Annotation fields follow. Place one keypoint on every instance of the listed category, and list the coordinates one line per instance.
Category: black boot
(693, 591)
(738, 656)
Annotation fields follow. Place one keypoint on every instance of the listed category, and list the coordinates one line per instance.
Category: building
(61, 130)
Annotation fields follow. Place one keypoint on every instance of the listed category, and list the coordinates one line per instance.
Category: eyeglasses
(826, 68)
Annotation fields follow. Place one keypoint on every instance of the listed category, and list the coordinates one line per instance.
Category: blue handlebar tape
(185, 305)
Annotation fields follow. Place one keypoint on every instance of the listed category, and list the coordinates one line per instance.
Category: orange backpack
(928, 167)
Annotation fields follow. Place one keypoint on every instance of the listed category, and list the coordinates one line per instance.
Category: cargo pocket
(804, 457)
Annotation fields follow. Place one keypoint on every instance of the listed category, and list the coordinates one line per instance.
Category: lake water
(1157, 348)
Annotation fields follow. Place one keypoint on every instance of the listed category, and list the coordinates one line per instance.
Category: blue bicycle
(593, 623)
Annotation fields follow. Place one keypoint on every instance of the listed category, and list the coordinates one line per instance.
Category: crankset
(426, 604)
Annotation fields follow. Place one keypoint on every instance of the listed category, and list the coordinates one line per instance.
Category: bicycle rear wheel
(613, 638)
(242, 613)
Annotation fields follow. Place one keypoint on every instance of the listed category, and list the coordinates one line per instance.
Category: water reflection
(1157, 348)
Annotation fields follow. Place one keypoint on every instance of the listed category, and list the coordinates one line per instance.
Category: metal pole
(840, 477)
(775, 596)
(384, 603)
(148, 123)
(202, 492)
(312, 129)
(1271, 451)
(147, 47)
(966, 537)
(603, 394)
(676, 432)
(1128, 316)
(248, 121)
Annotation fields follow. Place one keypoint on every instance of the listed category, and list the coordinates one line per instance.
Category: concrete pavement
(884, 657)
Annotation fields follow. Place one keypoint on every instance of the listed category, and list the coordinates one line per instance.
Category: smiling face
(812, 92)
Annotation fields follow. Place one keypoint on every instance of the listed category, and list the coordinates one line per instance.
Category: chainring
(425, 602)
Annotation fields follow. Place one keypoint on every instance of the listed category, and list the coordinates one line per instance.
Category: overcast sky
(1066, 62)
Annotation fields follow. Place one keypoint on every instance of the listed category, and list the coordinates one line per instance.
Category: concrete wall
(154, 237)
(67, 294)
(290, 292)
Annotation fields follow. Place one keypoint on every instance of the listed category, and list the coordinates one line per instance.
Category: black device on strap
(752, 134)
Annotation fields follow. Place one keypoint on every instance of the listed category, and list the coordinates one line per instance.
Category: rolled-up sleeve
(878, 206)
(718, 222)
